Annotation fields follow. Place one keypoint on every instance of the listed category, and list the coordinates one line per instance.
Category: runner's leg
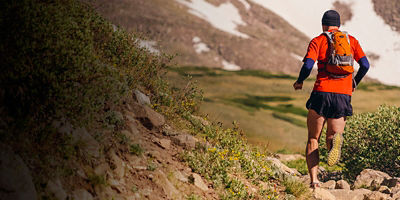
(315, 123)
(334, 126)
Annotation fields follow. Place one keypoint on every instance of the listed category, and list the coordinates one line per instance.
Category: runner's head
(331, 18)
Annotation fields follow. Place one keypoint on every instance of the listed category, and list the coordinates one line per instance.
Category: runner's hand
(297, 86)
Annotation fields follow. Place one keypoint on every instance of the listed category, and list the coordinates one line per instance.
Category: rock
(168, 131)
(198, 181)
(395, 192)
(164, 143)
(81, 194)
(116, 185)
(15, 178)
(370, 177)
(89, 145)
(185, 140)
(391, 182)
(119, 165)
(141, 98)
(155, 118)
(179, 176)
(167, 186)
(130, 116)
(384, 189)
(342, 194)
(283, 167)
(101, 169)
(55, 187)
(375, 195)
(322, 194)
(329, 185)
(133, 128)
(289, 157)
(342, 184)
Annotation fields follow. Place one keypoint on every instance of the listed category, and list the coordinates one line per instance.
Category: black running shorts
(330, 105)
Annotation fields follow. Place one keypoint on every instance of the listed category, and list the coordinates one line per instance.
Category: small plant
(151, 166)
(97, 180)
(135, 149)
(295, 187)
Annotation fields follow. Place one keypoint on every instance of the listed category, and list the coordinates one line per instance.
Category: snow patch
(230, 66)
(297, 57)
(371, 31)
(149, 45)
(245, 3)
(225, 17)
(199, 46)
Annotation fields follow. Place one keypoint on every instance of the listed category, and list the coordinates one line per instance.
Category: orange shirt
(317, 50)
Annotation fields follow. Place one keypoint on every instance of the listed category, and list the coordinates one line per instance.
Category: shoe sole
(334, 153)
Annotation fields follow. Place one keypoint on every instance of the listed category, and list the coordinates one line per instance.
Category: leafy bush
(371, 140)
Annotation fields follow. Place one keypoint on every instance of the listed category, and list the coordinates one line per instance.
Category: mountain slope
(272, 43)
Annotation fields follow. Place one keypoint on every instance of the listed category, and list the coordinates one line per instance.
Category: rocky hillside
(389, 11)
(225, 34)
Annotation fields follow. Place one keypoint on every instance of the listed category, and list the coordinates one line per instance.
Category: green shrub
(371, 140)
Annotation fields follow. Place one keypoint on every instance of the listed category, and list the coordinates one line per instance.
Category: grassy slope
(231, 96)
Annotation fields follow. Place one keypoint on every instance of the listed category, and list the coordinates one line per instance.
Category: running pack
(340, 59)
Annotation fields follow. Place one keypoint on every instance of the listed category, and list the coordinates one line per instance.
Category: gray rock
(168, 188)
(342, 194)
(322, 194)
(141, 98)
(168, 131)
(282, 167)
(198, 181)
(81, 194)
(329, 185)
(179, 176)
(370, 177)
(55, 187)
(185, 140)
(156, 119)
(89, 145)
(164, 143)
(375, 195)
(342, 184)
(119, 165)
(15, 178)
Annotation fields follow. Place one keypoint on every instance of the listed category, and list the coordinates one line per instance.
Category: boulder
(15, 178)
(119, 164)
(329, 185)
(168, 188)
(55, 187)
(185, 140)
(164, 143)
(342, 184)
(141, 98)
(322, 194)
(89, 145)
(343, 194)
(198, 181)
(179, 176)
(370, 177)
(375, 195)
(283, 167)
(81, 194)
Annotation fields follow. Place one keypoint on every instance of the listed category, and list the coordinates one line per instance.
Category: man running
(330, 100)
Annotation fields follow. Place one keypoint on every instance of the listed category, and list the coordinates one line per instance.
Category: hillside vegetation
(70, 118)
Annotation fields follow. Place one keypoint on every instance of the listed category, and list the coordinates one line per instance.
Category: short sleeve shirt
(317, 51)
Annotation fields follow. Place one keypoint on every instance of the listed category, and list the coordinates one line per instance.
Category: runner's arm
(305, 69)
(364, 67)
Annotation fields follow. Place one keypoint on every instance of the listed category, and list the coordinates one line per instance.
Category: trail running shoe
(334, 153)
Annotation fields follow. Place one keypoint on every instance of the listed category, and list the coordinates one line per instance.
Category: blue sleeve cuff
(305, 69)
(364, 67)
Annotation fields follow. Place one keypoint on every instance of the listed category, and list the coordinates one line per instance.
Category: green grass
(292, 120)
(299, 164)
